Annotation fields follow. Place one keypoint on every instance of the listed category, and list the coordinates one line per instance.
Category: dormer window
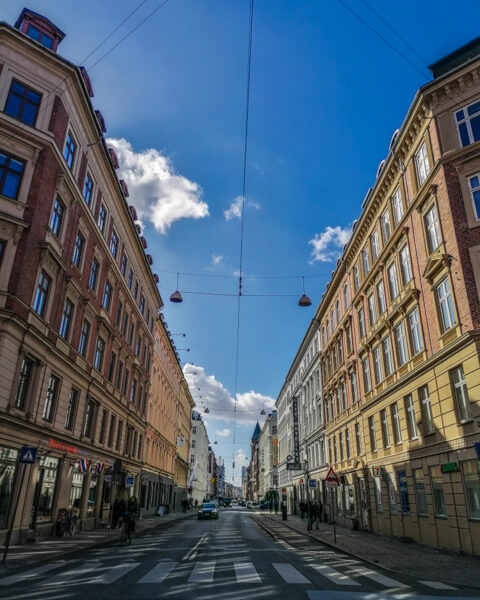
(38, 36)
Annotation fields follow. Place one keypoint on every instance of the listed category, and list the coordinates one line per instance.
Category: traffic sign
(312, 483)
(28, 454)
(331, 479)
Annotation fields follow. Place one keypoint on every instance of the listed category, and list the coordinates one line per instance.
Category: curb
(87, 546)
(350, 553)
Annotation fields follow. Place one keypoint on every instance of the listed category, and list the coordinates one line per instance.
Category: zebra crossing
(345, 575)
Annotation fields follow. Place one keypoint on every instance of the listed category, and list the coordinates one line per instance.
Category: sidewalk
(56, 547)
(411, 559)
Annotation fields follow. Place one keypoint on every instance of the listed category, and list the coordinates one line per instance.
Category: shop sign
(296, 438)
(181, 441)
(58, 445)
(27, 454)
(294, 466)
(402, 479)
(275, 451)
(449, 467)
(108, 477)
(377, 471)
(130, 481)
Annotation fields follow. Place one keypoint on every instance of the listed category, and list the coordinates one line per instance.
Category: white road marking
(113, 573)
(25, 575)
(193, 551)
(202, 572)
(158, 573)
(378, 577)
(69, 576)
(246, 573)
(334, 575)
(289, 573)
(438, 585)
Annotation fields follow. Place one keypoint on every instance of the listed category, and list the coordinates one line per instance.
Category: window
(344, 394)
(78, 250)
(125, 382)
(114, 244)
(346, 298)
(24, 381)
(366, 374)
(422, 506)
(358, 438)
(135, 292)
(3, 244)
(385, 226)
(445, 304)
(365, 261)
(11, 170)
(103, 426)
(57, 216)
(382, 305)
(434, 237)
(372, 311)
(393, 281)
(340, 442)
(89, 419)
(402, 352)
(348, 331)
(461, 394)
(102, 218)
(88, 189)
(84, 335)
(125, 325)
(118, 379)
(391, 493)
(474, 183)
(130, 334)
(142, 304)
(438, 495)
(397, 206)
(405, 265)
(337, 307)
(40, 37)
(427, 416)
(23, 103)
(130, 278)
(71, 410)
(138, 345)
(99, 351)
(111, 366)
(397, 429)
(118, 315)
(119, 435)
(385, 431)
(41, 294)
(415, 331)
(69, 150)
(123, 264)
(471, 476)
(107, 295)
(373, 435)
(356, 277)
(347, 443)
(353, 386)
(361, 322)
(378, 493)
(422, 164)
(468, 124)
(411, 420)
(377, 364)
(111, 431)
(51, 399)
(375, 245)
(388, 356)
(94, 270)
(335, 454)
(66, 319)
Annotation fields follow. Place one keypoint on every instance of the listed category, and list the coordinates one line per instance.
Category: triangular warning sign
(331, 475)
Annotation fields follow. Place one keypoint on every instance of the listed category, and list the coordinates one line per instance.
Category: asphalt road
(229, 559)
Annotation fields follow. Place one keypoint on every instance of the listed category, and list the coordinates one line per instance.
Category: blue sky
(326, 97)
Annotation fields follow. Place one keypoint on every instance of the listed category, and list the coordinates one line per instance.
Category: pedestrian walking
(196, 503)
(122, 507)
(129, 519)
(310, 515)
(302, 509)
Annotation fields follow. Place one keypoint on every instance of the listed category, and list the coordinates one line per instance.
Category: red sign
(301, 481)
(57, 445)
(331, 476)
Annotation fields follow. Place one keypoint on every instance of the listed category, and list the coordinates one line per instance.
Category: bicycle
(128, 530)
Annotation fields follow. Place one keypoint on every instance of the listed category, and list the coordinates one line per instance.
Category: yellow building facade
(399, 326)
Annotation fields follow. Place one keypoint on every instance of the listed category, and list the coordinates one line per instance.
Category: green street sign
(449, 467)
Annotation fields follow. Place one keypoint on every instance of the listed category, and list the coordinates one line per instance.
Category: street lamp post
(305, 466)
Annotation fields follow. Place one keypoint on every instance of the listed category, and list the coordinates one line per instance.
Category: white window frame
(465, 118)
(385, 430)
(386, 226)
(393, 280)
(375, 245)
(397, 427)
(445, 304)
(461, 394)
(422, 164)
(397, 206)
(406, 265)
(401, 343)
(415, 331)
(432, 227)
(372, 310)
(382, 300)
(373, 434)
(377, 364)
(388, 356)
(426, 406)
(475, 191)
(411, 420)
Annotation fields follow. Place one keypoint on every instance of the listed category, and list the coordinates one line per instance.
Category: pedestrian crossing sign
(28, 454)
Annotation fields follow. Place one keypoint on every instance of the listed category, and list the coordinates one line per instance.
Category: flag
(83, 465)
(99, 467)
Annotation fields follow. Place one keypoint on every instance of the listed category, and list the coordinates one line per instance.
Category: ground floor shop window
(422, 506)
(471, 474)
(391, 494)
(437, 492)
(77, 487)
(8, 466)
(92, 495)
(45, 490)
(378, 494)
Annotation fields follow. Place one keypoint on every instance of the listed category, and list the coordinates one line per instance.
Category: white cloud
(223, 432)
(235, 210)
(328, 245)
(158, 193)
(220, 403)
(216, 259)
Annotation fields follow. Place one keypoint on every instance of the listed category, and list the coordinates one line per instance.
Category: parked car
(208, 510)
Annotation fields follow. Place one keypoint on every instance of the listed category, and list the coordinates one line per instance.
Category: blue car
(208, 510)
